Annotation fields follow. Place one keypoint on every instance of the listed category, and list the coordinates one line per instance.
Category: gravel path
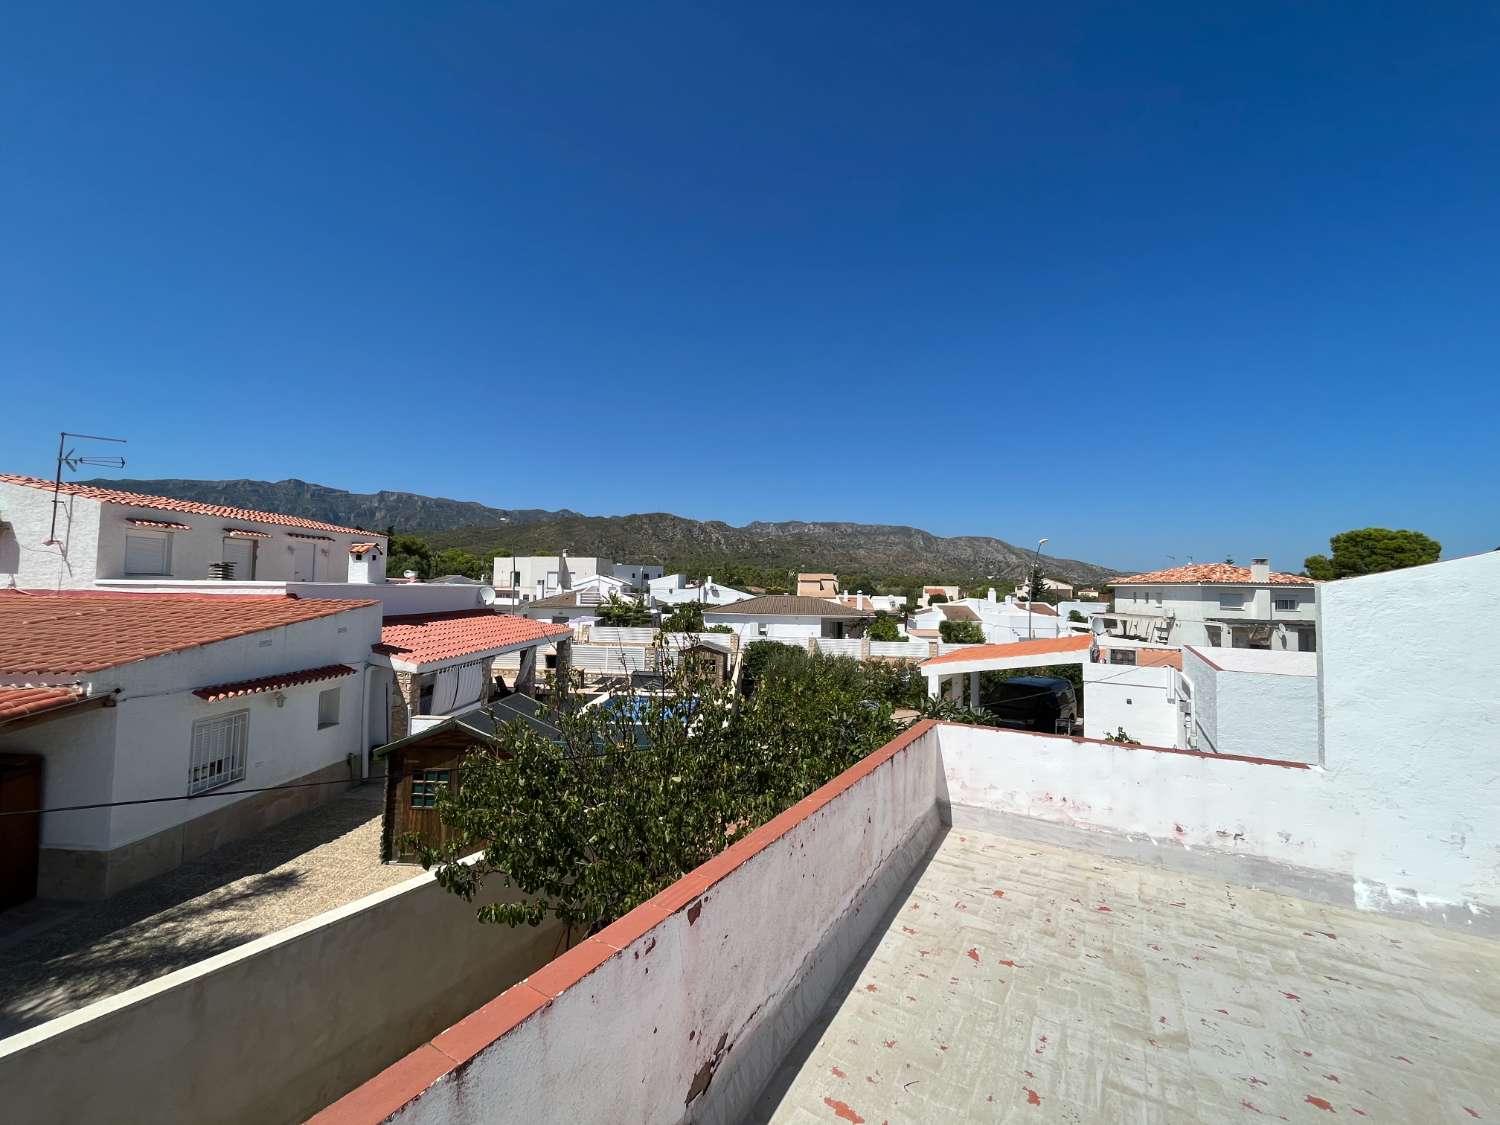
(54, 958)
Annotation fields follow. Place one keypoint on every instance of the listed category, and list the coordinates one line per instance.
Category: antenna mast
(71, 459)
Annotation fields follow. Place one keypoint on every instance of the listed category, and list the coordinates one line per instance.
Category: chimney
(992, 595)
(1260, 570)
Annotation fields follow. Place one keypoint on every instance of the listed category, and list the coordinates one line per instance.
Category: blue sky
(1149, 280)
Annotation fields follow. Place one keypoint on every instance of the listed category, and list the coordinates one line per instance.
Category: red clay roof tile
(426, 638)
(1018, 648)
(169, 504)
(55, 633)
(1208, 574)
(19, 702)
(217, 692)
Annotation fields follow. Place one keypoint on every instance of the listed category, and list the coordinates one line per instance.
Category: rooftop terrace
(1016, 975)
(962, 927)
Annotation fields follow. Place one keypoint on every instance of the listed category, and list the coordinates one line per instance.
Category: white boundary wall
(277, 1028)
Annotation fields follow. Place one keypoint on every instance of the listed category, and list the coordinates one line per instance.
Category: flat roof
(1261, 660)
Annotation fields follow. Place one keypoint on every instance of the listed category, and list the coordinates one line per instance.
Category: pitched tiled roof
(795, 605)
(426, 638)
(168, 504)
(1208, 574)
(21, 702)
(273, 683)
(957, 612)
(363, 548)
(75, 631)
(1043, 647)
(1042, 609)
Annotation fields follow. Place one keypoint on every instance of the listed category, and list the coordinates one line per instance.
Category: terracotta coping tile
(389, 1090)
(565, 971)
(483, 1026)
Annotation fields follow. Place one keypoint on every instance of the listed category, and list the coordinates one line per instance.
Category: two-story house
(1216, 604)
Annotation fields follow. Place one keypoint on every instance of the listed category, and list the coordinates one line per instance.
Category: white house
(528, 577)
(175, 698)
(443, 664)
(1003, 621)
(789, 617)
(674, 589)
(91, 534)
(1218, 605)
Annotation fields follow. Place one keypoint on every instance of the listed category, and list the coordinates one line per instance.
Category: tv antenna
(71, 459)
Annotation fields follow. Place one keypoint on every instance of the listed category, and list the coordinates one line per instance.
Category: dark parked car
(1044, 703)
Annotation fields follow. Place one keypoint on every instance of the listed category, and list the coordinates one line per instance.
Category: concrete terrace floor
(1021, 982)
(55, 958)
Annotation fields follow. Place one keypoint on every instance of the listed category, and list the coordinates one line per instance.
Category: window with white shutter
(148, 553)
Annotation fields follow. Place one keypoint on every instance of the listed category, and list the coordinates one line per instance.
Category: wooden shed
(420, 764)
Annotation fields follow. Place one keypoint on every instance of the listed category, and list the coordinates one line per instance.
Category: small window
(148, 553)
(1286, 603)
(426, 685)
(425, 785)
(1158, 597)
(1231, 600)
(1122, 656)
(218, 752)
(328, 708)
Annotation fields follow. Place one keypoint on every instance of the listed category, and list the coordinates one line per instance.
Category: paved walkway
(1021, 983)
(55, 958)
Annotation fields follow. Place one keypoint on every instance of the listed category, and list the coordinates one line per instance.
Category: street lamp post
(1031, 580)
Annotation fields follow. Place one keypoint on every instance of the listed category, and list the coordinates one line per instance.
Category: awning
(216, 692)
(160, 525)
(304, 535)
(245, 533)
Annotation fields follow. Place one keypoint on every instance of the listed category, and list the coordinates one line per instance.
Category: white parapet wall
(683, 1009)
(277, 1028)
(1139, 701)
(1333, 832)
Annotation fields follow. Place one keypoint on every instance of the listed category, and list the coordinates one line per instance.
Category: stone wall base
(70, 873)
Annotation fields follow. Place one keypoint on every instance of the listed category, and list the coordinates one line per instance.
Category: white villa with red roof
(91, 534)
(1219, 605)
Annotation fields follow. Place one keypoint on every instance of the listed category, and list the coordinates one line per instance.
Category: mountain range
(697, 546)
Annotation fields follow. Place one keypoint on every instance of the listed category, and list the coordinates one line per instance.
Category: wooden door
(20, 836)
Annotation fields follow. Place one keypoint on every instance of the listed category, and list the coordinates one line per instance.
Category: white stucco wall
(778, 627)
(92, 536)
(142, 746)
(70, 563)
(1428, 844)
(1270, 713)
(1140, 700)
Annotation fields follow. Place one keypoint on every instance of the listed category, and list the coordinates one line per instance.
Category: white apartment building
(1218, 605)
(529, 577)
(675, 589)
(85, 534)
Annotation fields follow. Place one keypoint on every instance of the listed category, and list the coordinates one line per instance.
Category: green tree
(623, 612)
(1036, 584)
(409, 552)
(1372, 550)
(937, 599)
(961, 632)
(624, 799)
(1074, 615)
(884, 628)
(457, 561)
(684, 618)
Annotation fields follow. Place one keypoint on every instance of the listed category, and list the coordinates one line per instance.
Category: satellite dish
(408, 574)
(487, 595)
(1097, 625)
